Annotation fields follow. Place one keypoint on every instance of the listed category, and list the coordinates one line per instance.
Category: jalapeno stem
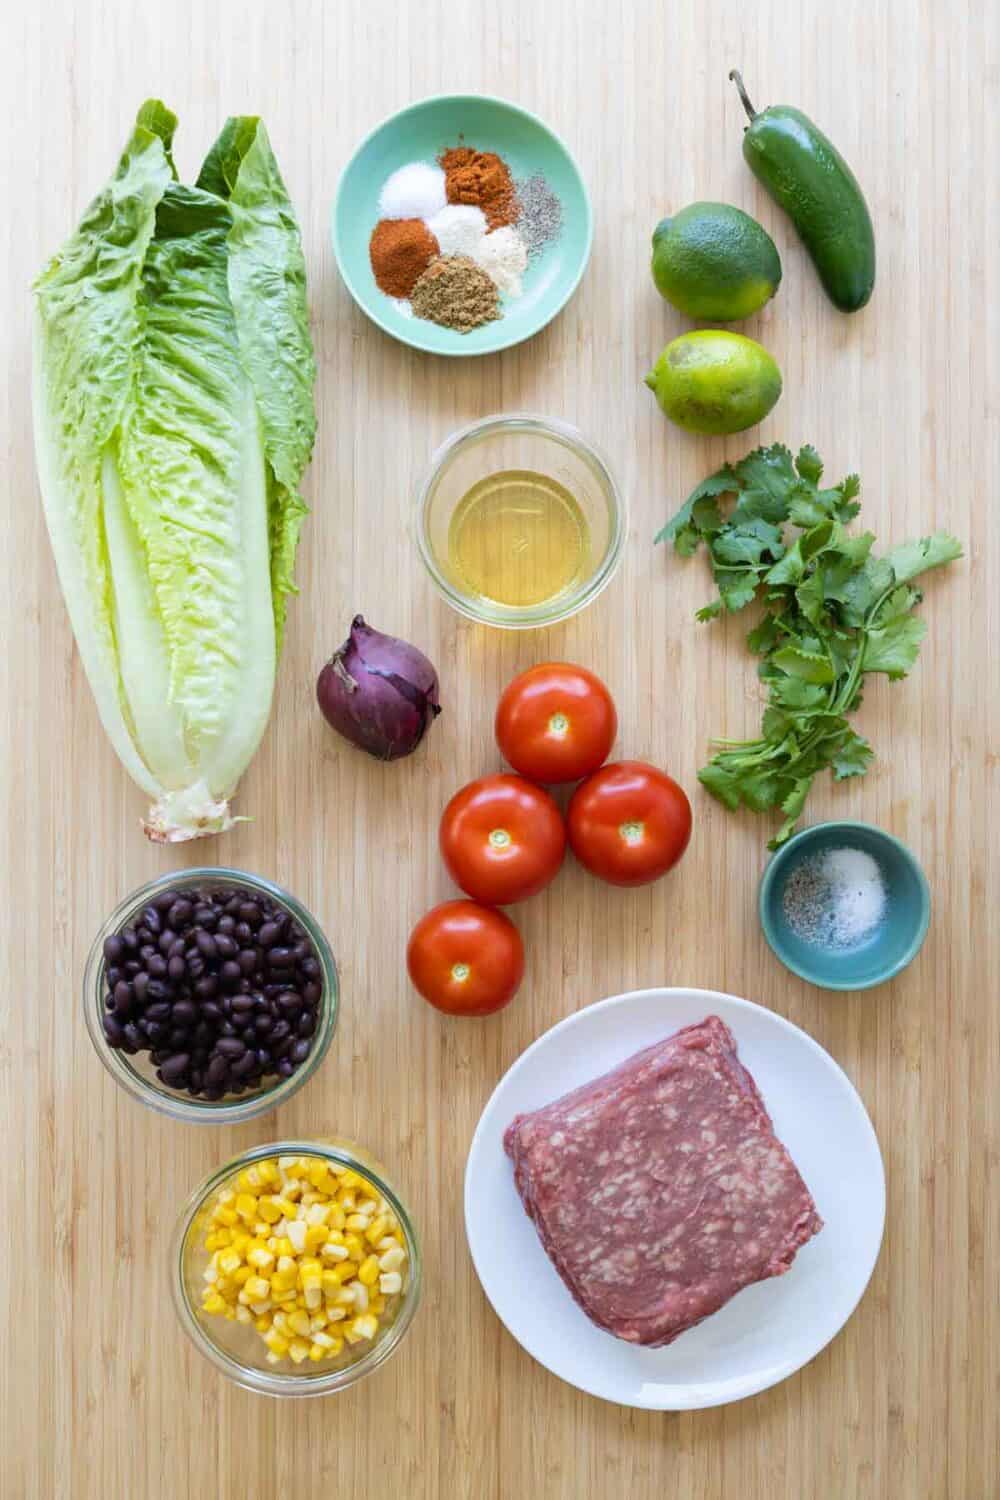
(737, 78)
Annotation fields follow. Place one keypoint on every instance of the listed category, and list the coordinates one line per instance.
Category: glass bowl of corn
(295, 1268)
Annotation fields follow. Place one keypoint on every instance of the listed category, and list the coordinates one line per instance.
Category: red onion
(378, 692)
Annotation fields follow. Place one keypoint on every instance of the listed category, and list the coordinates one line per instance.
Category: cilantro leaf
(894, 648)
(834, 612)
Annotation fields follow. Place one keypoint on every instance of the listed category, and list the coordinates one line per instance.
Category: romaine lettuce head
(173, 408)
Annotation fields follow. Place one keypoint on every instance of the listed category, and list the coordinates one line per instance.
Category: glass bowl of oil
(520, 523)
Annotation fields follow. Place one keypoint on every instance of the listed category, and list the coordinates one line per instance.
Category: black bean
(249, 913)
(160, 1011)
(300, 1051)
(280, 1030)
(241, 1066)
(214, 1092)
(263, 1025)
(229, 1046)
(230, 973)
(130, 939)
(140, 984)
(211, 1012)
(178, 948)
(184, 1013)
(206, 945)
(164, 901)
(152, 920)
(132, 1035)
(204, 1034)
(243, 1004)
(122, 997)
(157, 990)
(280, 958)
(112, 976)
(146, 952)
(225, 946)
(156, 966)
(279, 1049)
(310, 967)
(244, 986)
(264, 1057)
(180, 914)
(195, 966)
(269, 934)
(243, 934)
(206, 987)
(311, 993)
(248, 1035)
(176, 968)
(166, 941)
(307, 1024)
(132, 968)
(175, 1067)
(114, 949)
(233, 902)
(113, 1031)
(227, 926)
(226, 1028)
(177, 1038)
(285, 1067)
(155, 1030)
(216, 1070)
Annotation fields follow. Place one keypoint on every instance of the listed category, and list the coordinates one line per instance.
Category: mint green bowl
(895, 942)
(421, 133)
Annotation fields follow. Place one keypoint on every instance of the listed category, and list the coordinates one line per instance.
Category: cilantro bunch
(833, 612)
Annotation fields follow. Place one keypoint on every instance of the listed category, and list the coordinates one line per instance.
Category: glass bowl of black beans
(211, 995)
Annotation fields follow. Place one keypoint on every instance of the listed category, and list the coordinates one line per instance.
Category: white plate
(766, 1332)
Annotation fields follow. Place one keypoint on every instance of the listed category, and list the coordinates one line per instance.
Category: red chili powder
(401, 250)
(483, 179)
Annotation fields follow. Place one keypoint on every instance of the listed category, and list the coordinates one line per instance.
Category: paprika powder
(400, 251)
(483, 179)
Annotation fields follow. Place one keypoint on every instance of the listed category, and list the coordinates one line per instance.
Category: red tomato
(629, 823)
(465, 959)
(556, 722)
(502, 839)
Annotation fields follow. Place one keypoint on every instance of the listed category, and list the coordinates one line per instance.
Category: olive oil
(518, 538)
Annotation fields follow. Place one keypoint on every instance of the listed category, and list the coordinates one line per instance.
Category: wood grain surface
(100, 1395)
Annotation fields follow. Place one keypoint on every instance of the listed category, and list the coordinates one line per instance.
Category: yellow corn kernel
(230, 1314)
(316, 1353)
(345, 1297)
(335, 1314)
(256, 1288)
(317, 1321)
(217, 1240)
(364, 1327)
(332, 1252)
(225, 1215)
(242, 1276)
(298, 1350)
(246, 1206)
(285, 1278)
(330, 1284)
(358, 1222)
(277, 1344)
(228, 1262)
(392, 1260)
(260, 1257)
(213, 1303)
(376, 1303)
(260, 1308)
(263, 1323)
(368, 1271)
(345, 1271)
(268, 1172)
(269, 1210)
(292, 1190)
(389, 1283)
(318, 1213)
(284, 1246)
(336, 1219)
(283, 1298)
(356, 1247)
(315, 1236)
(296, 1232)
(350, 1179)
(376, 1229)
(319, 1175)
(324, 1341)
(298, 1322)
(368, 1206)
(244, 1315)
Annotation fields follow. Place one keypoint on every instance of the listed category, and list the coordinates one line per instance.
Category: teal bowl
(421, 133)
(896, 940)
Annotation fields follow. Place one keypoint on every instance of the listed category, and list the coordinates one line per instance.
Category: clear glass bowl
(137, 1074)
(236, 1348)
(521, 441)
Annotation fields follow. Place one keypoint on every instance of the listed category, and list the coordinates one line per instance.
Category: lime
(713, 381)
(713, 261)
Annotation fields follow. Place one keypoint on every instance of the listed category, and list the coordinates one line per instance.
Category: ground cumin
(456, 293)
(401, 250)
(483, 179)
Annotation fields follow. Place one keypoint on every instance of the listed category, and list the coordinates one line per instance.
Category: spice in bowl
(457, 235)
(310, 1254)
(836, 898)
(219, 985)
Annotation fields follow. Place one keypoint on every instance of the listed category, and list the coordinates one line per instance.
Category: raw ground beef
(660, 1190)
